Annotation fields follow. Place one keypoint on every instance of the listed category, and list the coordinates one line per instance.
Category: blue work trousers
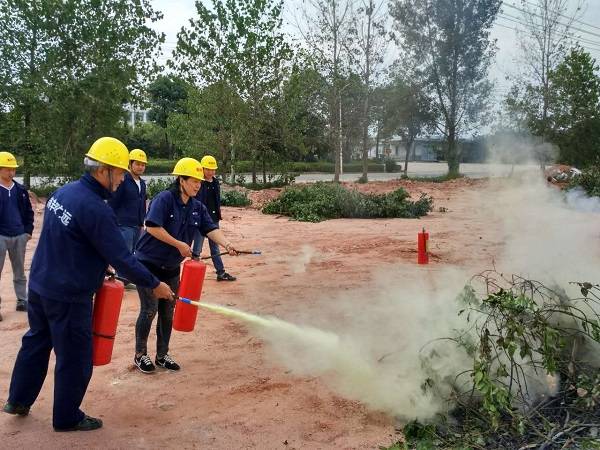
(67, 328)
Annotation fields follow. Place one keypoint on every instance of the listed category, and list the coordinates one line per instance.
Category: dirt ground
(228, 394)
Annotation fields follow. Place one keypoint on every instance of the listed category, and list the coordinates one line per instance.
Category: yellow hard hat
(8, 160)
(109, 151)
(189, 167)
(209, 162)
(138, 155)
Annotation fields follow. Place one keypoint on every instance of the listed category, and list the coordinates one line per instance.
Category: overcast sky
(177, 13)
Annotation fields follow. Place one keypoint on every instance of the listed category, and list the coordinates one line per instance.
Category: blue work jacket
(180, 221)
(129, 202)
(204, 192)
(24, 205)
(80, 238)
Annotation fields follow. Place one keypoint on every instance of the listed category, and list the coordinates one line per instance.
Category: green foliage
(447, 52)
(575, 108)
(322, 201)
(160, 166)
(390, 165)
(236, 48)
(48, 186)
(234, 198)
(518, 330)
(589, 180)
(148, 137)
(572, 117)
(66, 70)
(157, 185)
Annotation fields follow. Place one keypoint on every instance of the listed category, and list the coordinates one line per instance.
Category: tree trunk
(264, 169)
(453, 154)
(367, 79)
(409, 149)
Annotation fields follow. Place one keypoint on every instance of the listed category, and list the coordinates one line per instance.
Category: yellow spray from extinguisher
(335, 356)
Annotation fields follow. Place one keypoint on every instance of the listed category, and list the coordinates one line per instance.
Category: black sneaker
(21, 305)
(16, 409)
(144, 363)
(167, 362)
(87, 424)
(226, 277)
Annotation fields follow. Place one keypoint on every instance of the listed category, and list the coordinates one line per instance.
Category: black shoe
(21, 305)
(16, 409)
(144, 363)
(87, 424)
(167, 362)
(226, 277)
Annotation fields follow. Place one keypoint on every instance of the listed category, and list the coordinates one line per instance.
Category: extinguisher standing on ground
(423, 247)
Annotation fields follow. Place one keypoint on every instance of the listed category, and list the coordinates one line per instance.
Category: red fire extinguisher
(423, 247)
(107, 306)
(190, 287)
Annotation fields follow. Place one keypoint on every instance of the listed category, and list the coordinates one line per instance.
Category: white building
(135, 115)
(425, 149)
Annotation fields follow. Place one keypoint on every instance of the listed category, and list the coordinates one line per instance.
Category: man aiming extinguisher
(79, 239)
(173, 219)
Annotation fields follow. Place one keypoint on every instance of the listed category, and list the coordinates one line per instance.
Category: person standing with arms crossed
(16, 226)
(210, 196)
(80, 238)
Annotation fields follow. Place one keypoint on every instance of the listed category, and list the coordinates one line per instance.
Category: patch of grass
(322, 201)
(438, 179)
(234, 198)
(157, 185)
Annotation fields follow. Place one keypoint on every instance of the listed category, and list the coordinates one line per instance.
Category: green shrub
(589, 181)
(234, 198)
(48, 186)
(322, 201)
(163, 166)
(157, 185)
(390, 165)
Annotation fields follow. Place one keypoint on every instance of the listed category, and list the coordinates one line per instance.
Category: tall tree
(371, 39)
(574, 108)
(326, 29)
(237, 44)
(167, 95)
(545, 33)
(448, 48)
(68, 67)
(408, 113)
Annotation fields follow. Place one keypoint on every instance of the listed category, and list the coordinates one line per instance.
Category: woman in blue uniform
(173, 218)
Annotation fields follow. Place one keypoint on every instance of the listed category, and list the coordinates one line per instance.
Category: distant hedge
(322, 201)
(163, 166)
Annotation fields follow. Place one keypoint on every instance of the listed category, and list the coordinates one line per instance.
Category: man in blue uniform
(129, 200)
(16, 225)
(172, 221)
(210, 196)
(79, 239)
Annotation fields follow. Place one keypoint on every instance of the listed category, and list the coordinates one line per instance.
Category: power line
(560, 23)
(579, 39)
(566, 17)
